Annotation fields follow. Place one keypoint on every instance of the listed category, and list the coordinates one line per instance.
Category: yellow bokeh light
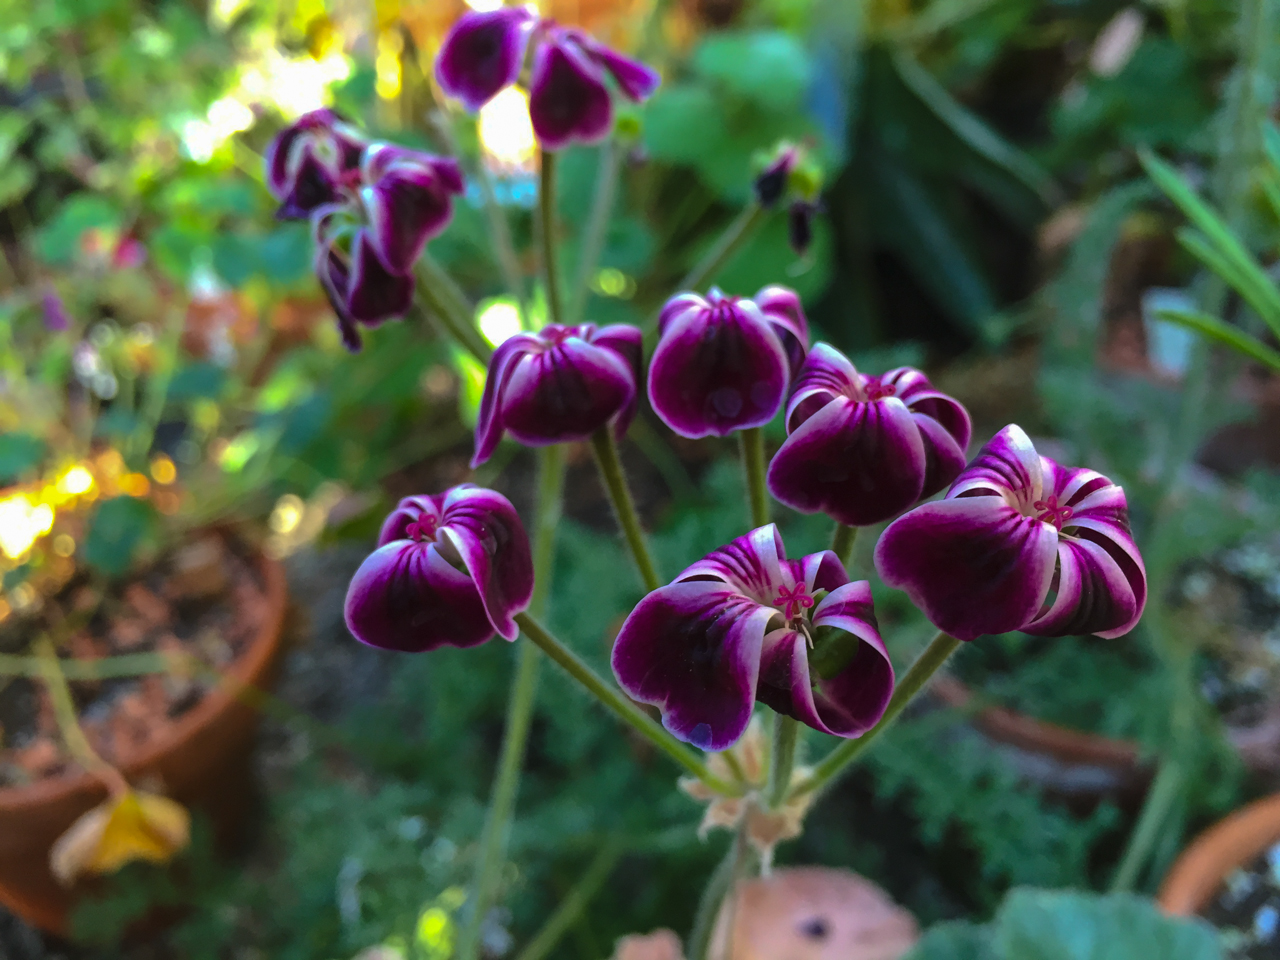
(506, 133)
(22, 523)
(134, 484)
(75, 481)
(390, 45)
(163, 471)
(499, 320)
(64, 545)
(287, 514)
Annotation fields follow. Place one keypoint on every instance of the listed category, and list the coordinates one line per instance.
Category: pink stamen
(1051, 512)
(879, 391)
(793, 600)
(422, 529)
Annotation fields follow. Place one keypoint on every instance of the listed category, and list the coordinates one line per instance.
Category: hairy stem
(722, 881)
(520, 705)
(752, 443)
(64, 712)
(593, 238)
(574, 903)
(624, 507)
(622, 707)
(839, 759)
(441, 296)
(843, 540)
(547, 235)
(781, 759)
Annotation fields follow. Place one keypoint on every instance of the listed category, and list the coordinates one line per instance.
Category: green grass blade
(1233, 337)
(1256, 288)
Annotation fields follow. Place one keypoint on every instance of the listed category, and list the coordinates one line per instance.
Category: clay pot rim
(242, 673)
(1017, 729)
(1230, 843)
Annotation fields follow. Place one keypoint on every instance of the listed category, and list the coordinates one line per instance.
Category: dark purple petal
(627, 342)
(914, 389)
(751, 564)
(718, 368)
(308, 159)
(406, 597)
(482, 54)
(406, 207)
(771, 184)
(825, 375)
(280, 160)
(636, 80)
(374, 293)
(693, 650)
(1007, 465)
(800, 226)
(331, 270)
(489, 423)
(781, 306)
(313, 185)
(1093, 595)
(974, 565)
(943, 454)
(485, 530)
(568, 101)
(860, 463)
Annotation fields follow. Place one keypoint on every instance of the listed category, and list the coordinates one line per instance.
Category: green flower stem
(500, 232)
(843, 540)
(449, 305)
(841, 757)
(622, 707)
(752, 442)
(736, 863)
(547, 235)
(730, 242)
(624, 507)
(520, 705)
(593, 238)
(1162, 796)
(782, 759)
(575, 901)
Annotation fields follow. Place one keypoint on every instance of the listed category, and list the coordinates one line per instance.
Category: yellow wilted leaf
(128, 826)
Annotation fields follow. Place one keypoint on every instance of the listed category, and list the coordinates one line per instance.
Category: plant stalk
(752, 443)
(593, 238)
(621, 706)
(624, 507)
(843, 540)
(574, 903)
(722, 881)
(839, 759)
(1161, 797)
(547, 235)
(781, 759)
(436, 289)
(738, 232)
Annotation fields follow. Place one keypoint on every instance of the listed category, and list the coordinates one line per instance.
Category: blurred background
(176, 410)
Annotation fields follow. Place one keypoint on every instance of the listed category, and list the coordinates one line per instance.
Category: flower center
(422, 529)
(1051, 512)
(793, 600)
(879, 391)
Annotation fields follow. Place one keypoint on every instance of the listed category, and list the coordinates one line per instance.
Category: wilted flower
(559, 385)
(309, 159)
(363, 290)
(408, 199)
(862, 448)
(128, 825)
(723, 363)
(1019, 543)
(450, 570)
(745, 624)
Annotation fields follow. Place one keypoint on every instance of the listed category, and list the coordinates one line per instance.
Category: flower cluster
(569, 99)
(790, 178)
(373, 207)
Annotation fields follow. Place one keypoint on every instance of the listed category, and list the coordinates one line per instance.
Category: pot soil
(1230, 875)
(187, 737)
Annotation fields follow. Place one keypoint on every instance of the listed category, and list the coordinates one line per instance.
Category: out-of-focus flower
(745, 624)
(483, 54)
(308, 161)
(1019, 543)
(450, 570)
(363, 290)
(723, 363)
(129, 825)
(55, 312)
(800, 225)
(559, 385)
(129, 254)
(771, 184)
(862, 448)
(408, 200)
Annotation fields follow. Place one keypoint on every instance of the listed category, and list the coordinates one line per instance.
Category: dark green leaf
(20, 453)
(119, 528)
(1233, 337)
(196, 380)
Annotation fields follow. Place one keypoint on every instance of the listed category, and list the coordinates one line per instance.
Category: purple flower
(361, 288)
(450, 570)
(55, 312)
(771, 184)
(560, 384)
(1019, 543)
(800, 225)
(408, 199)
(863, 448)
(568, 100)
(309, 160)
(483, 53)
(723, 363)
(745, 624)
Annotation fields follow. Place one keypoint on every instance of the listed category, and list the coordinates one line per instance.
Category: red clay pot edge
(1200, 869)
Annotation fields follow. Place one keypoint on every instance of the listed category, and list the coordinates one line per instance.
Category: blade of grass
(1215, 329)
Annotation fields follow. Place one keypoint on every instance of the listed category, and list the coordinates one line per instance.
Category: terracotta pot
(1200, 870)
(1079, 767)
(203, 760)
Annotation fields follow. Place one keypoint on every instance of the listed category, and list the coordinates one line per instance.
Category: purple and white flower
(309, 161)
(723, 363)
(408, 199)
(558, 385)
(450, 570)
(1020, 543)
(745, 624)
(863, 448)
(483, 54)
(362, 290)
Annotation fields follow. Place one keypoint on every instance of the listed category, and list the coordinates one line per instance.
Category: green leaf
(59, 240)
(1271, 141)
(681, 122)
(119, 528)
(769, 67)
(954, 941)
(196, 380)
(20, 453)
(13, 129)
(1235, 338)
(16, 178)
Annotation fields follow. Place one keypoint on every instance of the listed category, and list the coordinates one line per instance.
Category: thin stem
(574, 903)
(722, 881)
(1161, 797)
(547, 235)
(520, 706)
(835, 763)
(449, 305)
(843, 540)
(735, 235)
(593, 238)
(123, 665)
(622, 707)
(781, 759)
(64, 712)
(624, 507)
(752, 443)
